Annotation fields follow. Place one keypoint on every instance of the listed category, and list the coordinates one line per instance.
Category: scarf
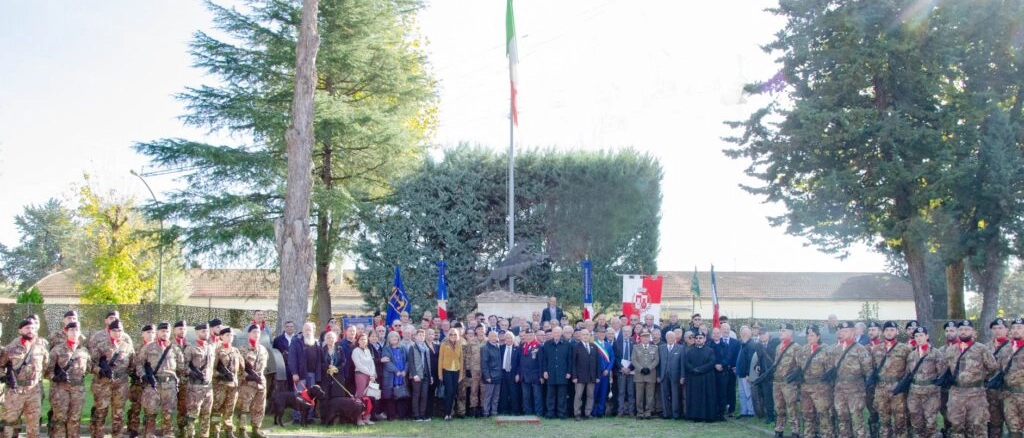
(398, 357)
(528, 346)
(252, 342)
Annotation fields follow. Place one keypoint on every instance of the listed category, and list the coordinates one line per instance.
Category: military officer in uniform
(852, 363)
(98, 335)
(995, 397)
(645, 363)
(178, 332)
(874, 339)
(952, 341)
(198, 361)
(227, 368)
(815, 393)
(58, 335)
(471, 365)
(785, 393)
(66, 368)
(1013, 365)
(25, 359)
(252, 395)
(135, 390)
(890, 363)
(925, 364)
(971, 363)
(158, 365)
(111, 363)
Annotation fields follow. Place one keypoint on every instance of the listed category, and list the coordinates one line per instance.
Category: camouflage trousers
(182, 409)
(252, 401)
(473, 384)
(786, 408)
(923, 404)
(198, 405)
(892, 411)
(135, 410)
(816, 407)
(22, 402)
(66, 400)
(109, 396)
(162, 399)
(995, 412)
(223, 410)
(1013, 411)
(968, 412)
(850, 405)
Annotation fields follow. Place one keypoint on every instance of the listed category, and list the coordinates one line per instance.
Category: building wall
(793, 309)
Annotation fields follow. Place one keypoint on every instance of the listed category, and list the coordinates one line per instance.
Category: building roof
(857, 286)
(222, 283)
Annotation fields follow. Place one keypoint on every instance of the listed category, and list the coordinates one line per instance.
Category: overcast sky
(81, 81)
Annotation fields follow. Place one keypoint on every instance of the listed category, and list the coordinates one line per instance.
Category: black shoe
(779, 435)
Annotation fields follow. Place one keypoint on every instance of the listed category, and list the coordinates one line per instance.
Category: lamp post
(160, 264)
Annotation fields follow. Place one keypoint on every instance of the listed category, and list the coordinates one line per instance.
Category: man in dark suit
(528, 369)
(670, 374)
(490, 374)
(732, 352)
(765, 348)
(508, 403)
(556, 373)
(284, 340)
(586, 368)
(625, 372)
(552, 313)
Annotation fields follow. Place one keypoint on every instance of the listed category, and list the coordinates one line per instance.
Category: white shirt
(363, 360)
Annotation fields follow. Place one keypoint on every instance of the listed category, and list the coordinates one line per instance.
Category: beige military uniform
(252, 395)
(923, 397)
(785, 394)
(67, 397)
(110, 393)
(995, 397)
(891, 360)
(471, 363)
(28, 363)
(849, 392)
(645, 356)
(199, 392)
(163, 396)
(968, 405)
(1013, 404)
(225, 391)
(135, 394)
(815, 394)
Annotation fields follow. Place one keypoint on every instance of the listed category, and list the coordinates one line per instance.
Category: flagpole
(511, 190)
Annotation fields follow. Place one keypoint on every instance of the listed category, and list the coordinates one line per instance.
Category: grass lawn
(479, 428)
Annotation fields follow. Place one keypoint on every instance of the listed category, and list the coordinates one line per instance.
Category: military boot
(214, 428)
(779, 435)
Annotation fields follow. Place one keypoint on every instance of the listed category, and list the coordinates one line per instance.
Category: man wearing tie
(586, 365)
(732, 354)
(490, 373)
(508, 402)
(624, 372)
(670, 375)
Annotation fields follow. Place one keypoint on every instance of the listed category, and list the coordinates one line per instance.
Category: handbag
(401, 392)
(373, 390)
(439, 390)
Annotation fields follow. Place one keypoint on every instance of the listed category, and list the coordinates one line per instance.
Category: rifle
(833, 373)
(9, 378)
(195, 374)
(904, 383)
(150, 377)
(947, 379)
(250, 374)
(105, 370)
(872, 379)
(770, 372)
(60, 375)
(997, 381)
(225, 375)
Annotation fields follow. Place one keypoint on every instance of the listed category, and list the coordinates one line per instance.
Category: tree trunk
(294, 245)
(324, 250)
(988, 276)
(955, 290)
(914, 253)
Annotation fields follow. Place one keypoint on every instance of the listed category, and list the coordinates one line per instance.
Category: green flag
(695, 284)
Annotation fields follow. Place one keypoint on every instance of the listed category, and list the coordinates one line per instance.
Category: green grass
(479, 428)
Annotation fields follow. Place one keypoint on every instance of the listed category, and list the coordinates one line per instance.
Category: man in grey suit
(670, 375)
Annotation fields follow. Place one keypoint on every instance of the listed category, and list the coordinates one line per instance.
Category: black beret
(252, 327)
(163, 325)
(813, 328)
(180, 323)
(24, 323)
(215, 322)
(874, 324)
(845, 325)
(965, 323)
(921, 329)
(203, 326)
(949, 324)
(116, 325)
(1017, 320)
(997, 321)
(113, 313)
(890, 324)
(70, 313)
(147, 328)
(225, 331)
(71, 325)
(910, 324)
(786, 326)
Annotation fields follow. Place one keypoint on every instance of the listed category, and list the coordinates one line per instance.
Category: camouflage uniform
(181, 344)
(471, 363)
(815, 395)
(225, 392)
(923, 397)
(944, 392)
(109, 394)
(252, 395)
(968, 407)
(850, 390)
(1013, 406)
(100, 335)
(24, 401)
(785, 394)
(892, 410)
(135, 394)
(995, 396)
(164, 396)
(199, 392)
(67, 398)
(59, 337)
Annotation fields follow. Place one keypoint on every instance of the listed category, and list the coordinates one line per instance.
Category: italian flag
(513, 58)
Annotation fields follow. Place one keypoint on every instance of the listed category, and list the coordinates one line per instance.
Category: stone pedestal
(507, 304)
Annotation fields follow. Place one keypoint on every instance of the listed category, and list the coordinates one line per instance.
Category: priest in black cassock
(702, 403)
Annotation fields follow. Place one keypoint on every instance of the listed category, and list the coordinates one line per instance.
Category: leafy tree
(568, 205)
(374, 110)
(47, 235)
(31, 296)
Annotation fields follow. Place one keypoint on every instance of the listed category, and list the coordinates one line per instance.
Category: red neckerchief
(889, 345)
(252, 342)
(71, 345)
(162, 343)
(114, 341)
(226, 345)
(1001, 341)
(964, 345)
(180, 341)
(305, 396)
(913, 343)
(23, 342)
(845, 344)
(527, 346)
(1017, 343)
(784, 343)
(875, 341)
(814, 348)
(201, 343)
(923, 349)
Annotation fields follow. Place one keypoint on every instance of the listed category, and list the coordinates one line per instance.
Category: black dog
(341, 410)
(294, 400)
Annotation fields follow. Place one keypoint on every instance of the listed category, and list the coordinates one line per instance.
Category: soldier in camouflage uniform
(874, 338)
(111, 363)
(199, 359)
(66, 369)
(852, 363)
(25, 360)
(99, 335)
(160, 383)
(227, 368)
(815, 394)
(1013, 362)
(58, 336)
(783, 393)
(952, 342)
(923, 397)
(995, 396)
(968, 406)
(135, 390)
(178, 332)
(890, 360)
(471, 365)
(252, 395)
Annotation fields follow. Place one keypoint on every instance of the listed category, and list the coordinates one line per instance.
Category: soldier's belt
(924, 382)
(118, 375)
(165, 379)
(849, 379)
(1015, 389)
(889, 379)
(978, 384)
(26, 383)
(72, 383)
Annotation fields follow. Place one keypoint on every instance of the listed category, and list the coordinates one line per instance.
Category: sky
(81, 81)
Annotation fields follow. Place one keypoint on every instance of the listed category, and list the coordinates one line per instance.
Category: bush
(31, 296)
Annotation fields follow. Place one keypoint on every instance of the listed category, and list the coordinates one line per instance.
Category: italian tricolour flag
(513, 58)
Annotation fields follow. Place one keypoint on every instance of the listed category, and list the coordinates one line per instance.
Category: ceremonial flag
(588, 293)
(513, 58)
(714, 297)
(442, 291)
(695, 284)
(399, 301)
(641, 295)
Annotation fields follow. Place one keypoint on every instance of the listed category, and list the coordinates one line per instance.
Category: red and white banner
(641, 295)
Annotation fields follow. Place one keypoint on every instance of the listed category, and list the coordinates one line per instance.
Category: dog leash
(335, 379)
